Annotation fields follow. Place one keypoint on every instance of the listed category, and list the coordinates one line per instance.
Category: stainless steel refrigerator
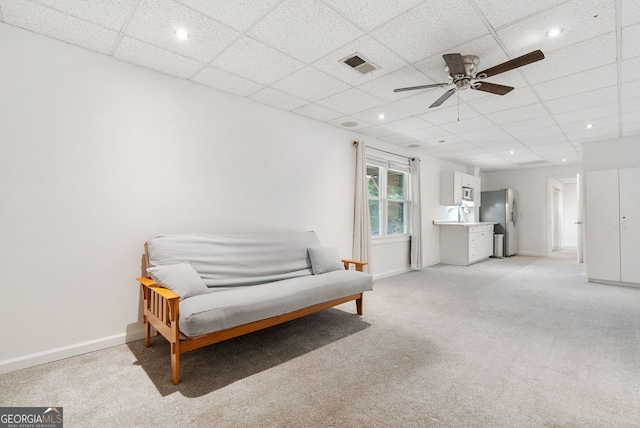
(501, 206)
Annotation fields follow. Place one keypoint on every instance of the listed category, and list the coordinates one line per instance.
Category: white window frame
(386, 165)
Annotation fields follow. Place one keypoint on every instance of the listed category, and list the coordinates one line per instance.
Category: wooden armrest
(359, 264)
(164, 292)
(355, 262)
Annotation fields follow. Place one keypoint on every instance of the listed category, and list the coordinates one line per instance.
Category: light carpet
(517, 342)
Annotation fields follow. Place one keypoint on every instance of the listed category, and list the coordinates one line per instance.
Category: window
(388, 186)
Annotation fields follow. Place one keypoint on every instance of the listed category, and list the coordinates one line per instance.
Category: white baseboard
(391, 273)
(51, 355)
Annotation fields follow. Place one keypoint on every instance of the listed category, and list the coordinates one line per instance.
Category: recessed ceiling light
(564, 160)
(441, 141)
(349, 124)
(554, 32)
(589, 125)
(511, 152)
(381, 116)
(414, 146)
(182, 34)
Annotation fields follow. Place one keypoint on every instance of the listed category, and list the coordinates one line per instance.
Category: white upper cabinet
(452, 184)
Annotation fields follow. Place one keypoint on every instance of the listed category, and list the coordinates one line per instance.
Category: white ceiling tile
(582, 100)
(277, 99)
(313, 29)
(366, 47)
(586, 114)
(349, 120)
(520, 113)
(383, 87)
(529, 124)
(407, 125)
(145, 55)
(58, 25)
(429, 28)
(417, 104)
(107, 13)
(310, 84)
(591, 53)
(397, 139)
(576, 18)
(227, 82)
(558, 138)
(631, 117)
(315, 111)
(428, 150)
(467, 125)
(595, 134)
(444, 114)
(500, 12)
(369, 14)
(630, 12)
(503, 149)
(631, 90)
(516, 98)
(433, 133)
(376, 132)
(483, 158)
(485, 48)
(631, 41)
(490, 141)
(390, 112)
(465, 147)
(630, 129)
(442, 140)
(588, 80)
(156, 21)
(602, 122)
(630, 105)
(541, 148)
(351, 101)
(236, 14)
(550, 131)
(481, 134)
(630, 69)
(273, 65)
(522, 157)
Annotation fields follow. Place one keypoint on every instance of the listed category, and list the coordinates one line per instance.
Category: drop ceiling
(289, 53)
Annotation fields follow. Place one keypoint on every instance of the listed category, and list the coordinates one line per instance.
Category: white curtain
(361, 222)
(416, 215)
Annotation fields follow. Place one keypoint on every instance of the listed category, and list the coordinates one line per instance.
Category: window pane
(374, 213)
(396, 218)
(396, 185)
(373, 181)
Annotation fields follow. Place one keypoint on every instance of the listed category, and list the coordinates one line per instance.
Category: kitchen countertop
(455, 223)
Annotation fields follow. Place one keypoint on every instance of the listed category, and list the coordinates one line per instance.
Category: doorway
(564, 231)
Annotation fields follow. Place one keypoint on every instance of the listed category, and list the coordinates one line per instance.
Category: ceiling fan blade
(413, 88)
(521, 61)
(492, 88)
(455, 63)
(443, 98)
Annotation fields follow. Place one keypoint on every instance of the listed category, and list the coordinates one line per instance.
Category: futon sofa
(203, 289)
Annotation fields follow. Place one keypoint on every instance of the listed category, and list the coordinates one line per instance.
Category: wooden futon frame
(162, 312)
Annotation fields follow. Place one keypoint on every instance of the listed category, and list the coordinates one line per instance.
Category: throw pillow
(325, 259)
(181, 278)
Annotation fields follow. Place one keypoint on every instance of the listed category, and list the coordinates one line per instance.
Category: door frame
(580, 196)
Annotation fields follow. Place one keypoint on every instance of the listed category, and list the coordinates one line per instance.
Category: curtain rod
(384, 151)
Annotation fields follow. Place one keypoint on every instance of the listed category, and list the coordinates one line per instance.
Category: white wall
(96, 155)
(532, 187)
(569, 215)
(612, 154)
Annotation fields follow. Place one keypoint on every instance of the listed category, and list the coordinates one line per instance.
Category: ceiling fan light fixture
(554, 32)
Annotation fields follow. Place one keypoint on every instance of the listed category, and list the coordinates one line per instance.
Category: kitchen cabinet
(463, 245)
(451, 184)
(613, 225)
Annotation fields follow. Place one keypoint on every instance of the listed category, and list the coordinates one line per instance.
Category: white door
(579, 218)
(602, 221)
(630, 225)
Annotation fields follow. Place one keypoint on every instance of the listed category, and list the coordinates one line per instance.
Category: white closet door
(603, 232)
(630, 225)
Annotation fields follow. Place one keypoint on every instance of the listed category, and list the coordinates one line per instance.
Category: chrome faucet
(465, 208)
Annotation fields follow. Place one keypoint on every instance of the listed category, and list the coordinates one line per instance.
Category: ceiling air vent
(534, 163)
(360, 63)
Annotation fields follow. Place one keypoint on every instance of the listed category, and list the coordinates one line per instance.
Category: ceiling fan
(463, 73)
